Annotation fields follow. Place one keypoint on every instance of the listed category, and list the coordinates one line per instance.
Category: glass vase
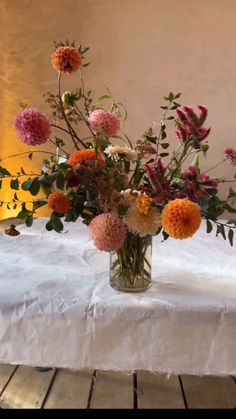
(130, 266)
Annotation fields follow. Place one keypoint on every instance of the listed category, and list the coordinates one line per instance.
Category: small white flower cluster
(116, 152)
(130, 194)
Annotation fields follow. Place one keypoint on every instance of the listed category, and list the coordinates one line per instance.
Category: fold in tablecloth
(57, 308)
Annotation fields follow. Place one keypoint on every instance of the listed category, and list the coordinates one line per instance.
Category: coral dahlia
(59, 202)
(108, 232)
(66, 60)
(32, 127)
(181, 218)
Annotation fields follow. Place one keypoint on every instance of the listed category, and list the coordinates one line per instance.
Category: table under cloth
(57, 308)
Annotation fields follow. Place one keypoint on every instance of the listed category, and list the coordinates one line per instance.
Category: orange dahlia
(59, 202)
(85, 156)
(181, 218)
(143, 203)
(66, 59)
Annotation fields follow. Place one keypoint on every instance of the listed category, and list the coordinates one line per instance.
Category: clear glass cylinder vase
(130, 266)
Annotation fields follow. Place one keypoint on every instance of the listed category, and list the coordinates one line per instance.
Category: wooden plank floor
(25, 387)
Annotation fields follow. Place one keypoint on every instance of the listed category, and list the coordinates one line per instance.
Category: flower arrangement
(126, 191)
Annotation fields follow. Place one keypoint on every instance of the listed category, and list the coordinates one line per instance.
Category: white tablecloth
(57, 308)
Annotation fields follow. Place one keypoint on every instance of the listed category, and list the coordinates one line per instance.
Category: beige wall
(141, 49)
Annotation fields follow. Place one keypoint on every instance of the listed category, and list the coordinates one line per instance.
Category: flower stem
(60, 148)
(28, 152)
(131, 265)
(216, 165)
(72, 132)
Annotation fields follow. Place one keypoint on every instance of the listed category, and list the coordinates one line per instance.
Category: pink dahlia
(32, 127)
(231, 155)
(108, 232)
(107, 121)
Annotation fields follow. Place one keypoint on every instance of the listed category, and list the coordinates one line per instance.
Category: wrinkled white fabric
(57, 308)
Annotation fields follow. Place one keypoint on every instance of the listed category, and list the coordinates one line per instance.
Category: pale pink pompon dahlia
(66, 60)
(32, 127)
(106, 121)
(108, 232)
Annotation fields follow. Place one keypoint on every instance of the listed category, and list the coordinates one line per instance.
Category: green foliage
(231, 236)
(151, 167)
(232, 196)
(165, 235)
(55, 223)
(59, 142)
(209, 226)
(26, 215)
(32, 185)
(14, 184)
(23, 105)
(4, 172)
(164, 145)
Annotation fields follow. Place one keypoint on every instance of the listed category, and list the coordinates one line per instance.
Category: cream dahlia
(140, 222)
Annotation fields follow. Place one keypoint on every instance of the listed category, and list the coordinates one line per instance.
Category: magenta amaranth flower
(106, 121)
(191, 115)
(198, 185)
(191, 185)
(108, 232)
(32, 127)
(198, 121)
(203, 112)
(190, 125)
(207, 181)
(231, 155)
(190, 173)
(181, 115)
(156, 170)
(202, 133)
(199, 193)
(182, 134)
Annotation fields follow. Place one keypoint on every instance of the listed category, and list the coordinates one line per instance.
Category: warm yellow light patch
(10, 145)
